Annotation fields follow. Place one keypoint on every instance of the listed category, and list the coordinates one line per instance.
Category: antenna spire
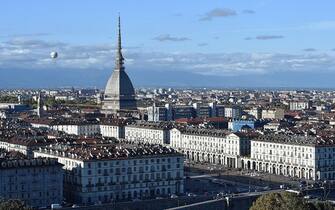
(119, 58)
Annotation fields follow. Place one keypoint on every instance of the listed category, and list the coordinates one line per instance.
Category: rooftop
(108, 152)
(296, 139)
(204, 132)
(152, 125)
(34, 162)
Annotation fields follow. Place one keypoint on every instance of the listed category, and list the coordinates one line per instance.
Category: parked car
(56, 206)
(174, 196)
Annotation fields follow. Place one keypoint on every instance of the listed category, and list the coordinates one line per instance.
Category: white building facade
(104, 175)
(112, 130)
(148, 132)
(212, 146)
(78, 129)
(294, 156)
(300, 105)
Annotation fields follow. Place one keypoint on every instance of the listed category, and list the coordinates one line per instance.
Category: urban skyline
(170, 105)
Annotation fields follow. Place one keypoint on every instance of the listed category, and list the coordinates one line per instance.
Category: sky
(175, 43)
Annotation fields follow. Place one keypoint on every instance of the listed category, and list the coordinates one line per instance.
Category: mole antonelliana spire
(119, 58)
(119, 91)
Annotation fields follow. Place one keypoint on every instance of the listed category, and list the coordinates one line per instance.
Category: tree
(8, 99)
(280, 201)
(321, 206)
(13, 205)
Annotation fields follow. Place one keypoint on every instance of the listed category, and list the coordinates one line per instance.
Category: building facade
(38, 182)
(212, 146)
(292, 155)
(234, 112)
(78, 128)
(300, 105)
(237, 125)
(276, 113)
(115, 173)
(113, 128)
(23, 145)
(159, 113)
(148, 132)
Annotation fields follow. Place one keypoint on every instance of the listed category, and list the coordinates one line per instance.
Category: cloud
(265, 37)
(309, 50)
(34, 54)
(223, 64)
(203, 44)
(168, 37)
(32, 43)
(25, 35)
(218, 12)
(248, 11)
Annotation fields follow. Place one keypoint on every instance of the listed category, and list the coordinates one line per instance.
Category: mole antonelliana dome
(119, 91)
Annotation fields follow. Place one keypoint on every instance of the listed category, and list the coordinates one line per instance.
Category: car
(309, 197)
(266, 188)
(174, 196)
(220, 195)
(75, 206)
(56, 206)
(191, 195)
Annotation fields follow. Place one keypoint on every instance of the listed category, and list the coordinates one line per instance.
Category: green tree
(8, 99)
(321, 206)
(13, 205)
(280, 201)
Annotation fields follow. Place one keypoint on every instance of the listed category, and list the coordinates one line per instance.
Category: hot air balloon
(53, 55)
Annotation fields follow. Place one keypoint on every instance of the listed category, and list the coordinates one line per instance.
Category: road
(203, 176)
(241, 195)
(223, 181)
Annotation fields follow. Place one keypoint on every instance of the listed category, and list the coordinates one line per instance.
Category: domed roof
(119, 86)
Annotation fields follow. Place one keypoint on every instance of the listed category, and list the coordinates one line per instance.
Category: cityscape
(177, 127)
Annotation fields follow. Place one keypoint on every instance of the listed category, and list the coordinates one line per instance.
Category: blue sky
(234, 43)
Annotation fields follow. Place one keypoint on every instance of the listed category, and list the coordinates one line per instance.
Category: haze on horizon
(259, 43)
